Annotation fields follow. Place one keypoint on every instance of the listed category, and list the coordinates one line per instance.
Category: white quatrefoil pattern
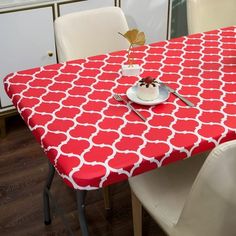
(94, 140)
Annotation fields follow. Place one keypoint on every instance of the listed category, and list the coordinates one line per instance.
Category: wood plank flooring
(23, 171)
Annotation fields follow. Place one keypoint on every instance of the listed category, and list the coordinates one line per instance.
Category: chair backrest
(90, 33)
(204, 15)
(210, 209)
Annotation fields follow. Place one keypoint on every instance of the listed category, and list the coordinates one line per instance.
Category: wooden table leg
(106, 197)
(2, 127)
(3, 116)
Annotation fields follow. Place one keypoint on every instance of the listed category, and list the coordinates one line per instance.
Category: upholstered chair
(90, 33)
(205, 15)
(192, 197)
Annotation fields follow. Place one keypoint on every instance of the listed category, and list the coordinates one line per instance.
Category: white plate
(163, 96)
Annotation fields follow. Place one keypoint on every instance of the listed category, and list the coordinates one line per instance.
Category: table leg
(106, 197)
(2, 127)
(46, 204)
(107, 201)
(80, 195)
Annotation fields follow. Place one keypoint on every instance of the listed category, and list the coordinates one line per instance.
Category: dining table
(93, 141)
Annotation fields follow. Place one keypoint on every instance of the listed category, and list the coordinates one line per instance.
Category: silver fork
(120, 99)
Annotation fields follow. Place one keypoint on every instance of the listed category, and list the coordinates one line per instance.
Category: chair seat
(171, 184)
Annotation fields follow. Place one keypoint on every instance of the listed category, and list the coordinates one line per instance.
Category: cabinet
(27, 41)
(150, 16)
(27, 34)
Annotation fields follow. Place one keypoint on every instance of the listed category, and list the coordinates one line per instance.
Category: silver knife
(185, 100)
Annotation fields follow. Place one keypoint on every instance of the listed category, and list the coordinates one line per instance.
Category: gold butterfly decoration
(135, 37)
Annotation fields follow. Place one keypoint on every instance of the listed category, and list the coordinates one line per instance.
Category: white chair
(187, 202)
(205, 15)
(90, 33)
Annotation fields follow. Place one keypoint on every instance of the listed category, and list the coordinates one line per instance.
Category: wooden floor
(23, 171)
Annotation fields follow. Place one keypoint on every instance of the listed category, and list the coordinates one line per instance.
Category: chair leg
(137, 215)
(2, 127)
(106, 197)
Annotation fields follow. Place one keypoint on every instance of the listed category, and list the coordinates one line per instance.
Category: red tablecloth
(93, 140)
